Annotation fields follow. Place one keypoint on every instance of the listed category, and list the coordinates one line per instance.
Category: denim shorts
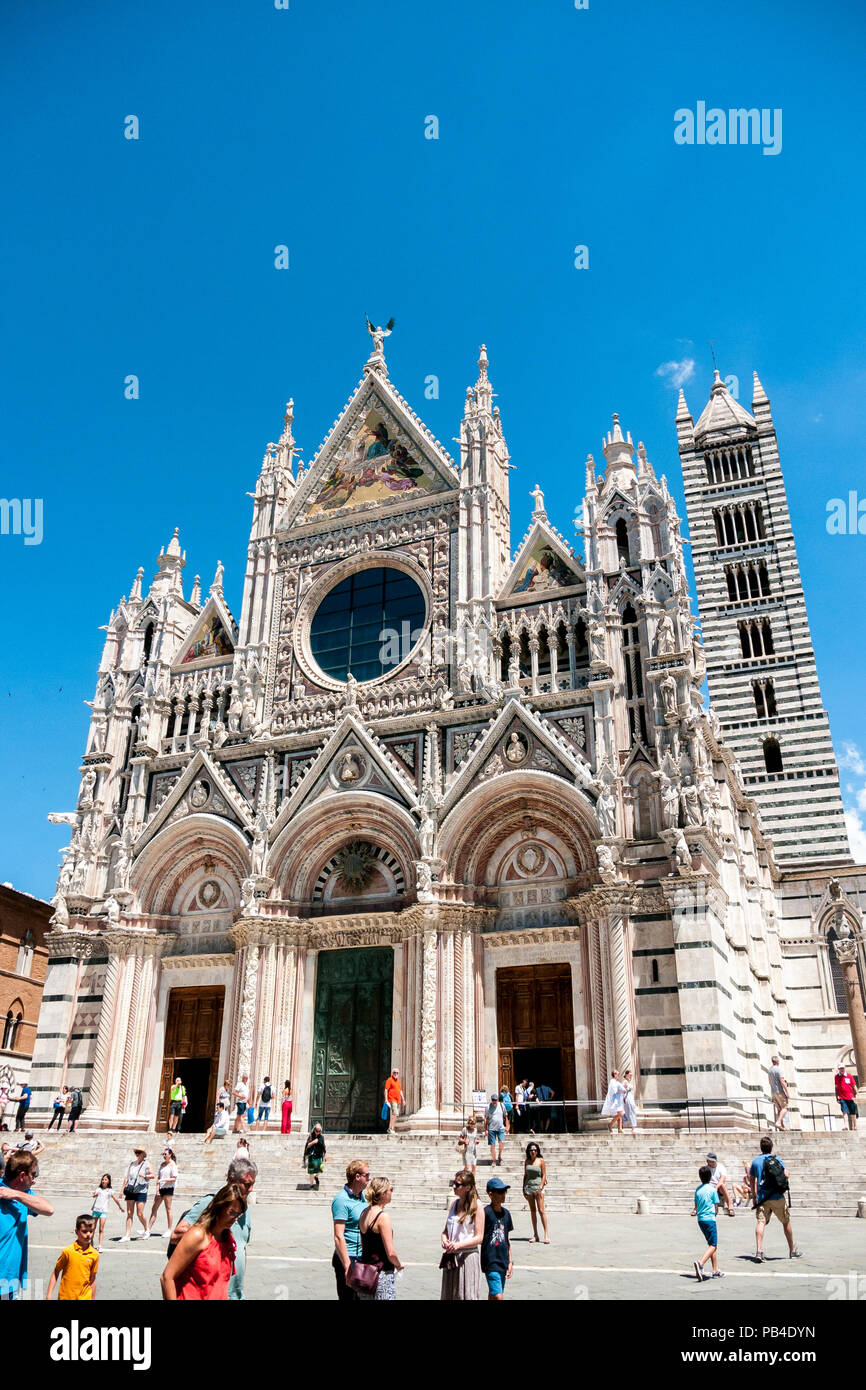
(848, 1107)
(495, 1136)
(710, 1230)
(495, 1280)
(264, 1112)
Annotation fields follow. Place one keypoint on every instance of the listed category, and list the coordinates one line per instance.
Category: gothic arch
(484, 826)
(169, 860)
(306, 846)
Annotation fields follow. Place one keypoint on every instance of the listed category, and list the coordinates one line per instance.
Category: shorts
(710, 1230)
(773, 1206)
(242, 1107)
(495, 1280)
(98, 1215)
(166, 1192)
(495, 1136)
(779, 1100)
(264, 1112)
(395, 1108)
(176, 1107)
(849, 1107)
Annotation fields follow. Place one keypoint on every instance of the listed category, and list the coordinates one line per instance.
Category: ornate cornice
(221, 962)
(533, 936)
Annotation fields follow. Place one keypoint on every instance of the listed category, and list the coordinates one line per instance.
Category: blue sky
(305, 127)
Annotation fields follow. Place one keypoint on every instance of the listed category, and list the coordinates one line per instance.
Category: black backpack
(774, 1174)
(266, 1095)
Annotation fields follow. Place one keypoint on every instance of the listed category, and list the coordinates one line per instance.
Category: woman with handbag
(314, 1154)
(138, 1175)
(461, 1243)
(374, 1276)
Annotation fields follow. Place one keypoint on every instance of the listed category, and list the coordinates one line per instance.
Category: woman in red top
(204, 1260)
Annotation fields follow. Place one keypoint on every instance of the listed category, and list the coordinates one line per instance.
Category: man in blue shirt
(346, 1210)
(23, 1105)
(242, 1171)
(17, 1202)
(770, 1198)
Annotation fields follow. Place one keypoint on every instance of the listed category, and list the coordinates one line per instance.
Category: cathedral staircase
(586, 1172)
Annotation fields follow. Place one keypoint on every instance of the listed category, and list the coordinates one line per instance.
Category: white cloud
(856, 835)
(852, 758)
(677, 373)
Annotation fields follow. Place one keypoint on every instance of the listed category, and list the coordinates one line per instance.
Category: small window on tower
(772, 755)
(622, 547)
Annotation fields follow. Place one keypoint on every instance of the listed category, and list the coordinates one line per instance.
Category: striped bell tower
(761, 670)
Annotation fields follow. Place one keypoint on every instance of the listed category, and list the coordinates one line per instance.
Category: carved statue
(605, 806)
(112, 910)
(606, 863)
(669, 694)
(464, 678)
(64, 878)
(690, 801)
(124, 859)
(248, 714)
(259, 854)
(220, 734)
(351, 691)
(670, 798)
(379, 334)
(100, 734)
(516, 749)
(249, 901)
(349, 769)
(235, 710)
(61, 911)
(424, 879)
(595, 633)
(427, 833)
(666, 638)
(88, 784)
(61, 817)
(681, 853)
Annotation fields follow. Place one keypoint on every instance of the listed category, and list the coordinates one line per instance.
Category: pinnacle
(683, 412)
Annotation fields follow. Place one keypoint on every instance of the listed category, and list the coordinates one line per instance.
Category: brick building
(23, 960)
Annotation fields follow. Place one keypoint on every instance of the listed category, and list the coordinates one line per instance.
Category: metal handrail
(759, 1107)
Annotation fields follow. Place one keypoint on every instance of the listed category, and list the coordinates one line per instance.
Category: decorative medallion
(531, 859)
(209, 893)
(516, 748)
(351, 768)
(355, 865)
(199, 794)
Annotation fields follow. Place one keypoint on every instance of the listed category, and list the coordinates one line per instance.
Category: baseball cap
(715, 1156)
(497, 1185)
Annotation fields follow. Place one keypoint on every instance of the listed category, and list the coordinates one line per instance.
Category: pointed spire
(195, 596)
(759, 395)
(174, 543)
(683, 412)
(171, 563)
(135, 591)
(590, 473)
(618, 451)
(483, 389)
(644, 467)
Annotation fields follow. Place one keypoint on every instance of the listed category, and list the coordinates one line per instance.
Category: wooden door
(533, 1011)
(192, 1034)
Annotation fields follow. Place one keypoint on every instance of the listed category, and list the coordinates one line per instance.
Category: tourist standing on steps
(224, 1094)
(846, 1090)
(534, 1183)
(494, 1123)
(719, 1180)
(241, 1095)
(24, 1097)
(393, 1097)
(286, 1117)
(461, 1243)
(508, 1106)
(176, 1097)
(314, 1155)
(347, 1209)
(778, 1092)
(17, 1203)
(101, 1198)
(138, 1175)
(166, 1181)
(496, 1263)
(769, 1178)
(204, 1261)
(377, 1241)
(59, 1108)
(468, 1144)
(614, 1103)
(519, 1106)
(76, 1105)
(264, 1100)
(243, 1172)
(706, 1201)
(629, 1109)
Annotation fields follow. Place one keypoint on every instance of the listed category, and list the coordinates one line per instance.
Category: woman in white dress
(613, 1103)
(629, 1108)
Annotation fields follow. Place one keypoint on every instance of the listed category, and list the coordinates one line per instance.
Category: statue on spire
(379, 335)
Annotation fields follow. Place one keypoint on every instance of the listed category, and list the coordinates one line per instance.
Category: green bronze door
(351, 1039)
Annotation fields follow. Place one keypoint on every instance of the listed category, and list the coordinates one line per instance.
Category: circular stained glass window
(367, 624)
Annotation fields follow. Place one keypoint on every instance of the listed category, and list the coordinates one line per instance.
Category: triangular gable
(543, 566)
(352, 759)
(211, 639)
(490, 756)
(624, 589)
(378, 452)
(223, 798)
(639, 754)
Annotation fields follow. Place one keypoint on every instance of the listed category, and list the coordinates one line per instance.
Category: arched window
(772, 755)
(148, 641)
(506, 657)
(634, 691)
(8, 1031)
(622, 547)
(24, 962)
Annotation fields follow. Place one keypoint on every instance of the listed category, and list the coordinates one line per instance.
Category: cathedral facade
(432, 803)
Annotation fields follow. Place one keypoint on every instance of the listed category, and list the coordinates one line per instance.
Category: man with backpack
(264, 1096)
(76, 1105)
(769, 1181)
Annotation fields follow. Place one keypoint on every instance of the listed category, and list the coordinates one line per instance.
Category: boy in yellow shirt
(77, 1265)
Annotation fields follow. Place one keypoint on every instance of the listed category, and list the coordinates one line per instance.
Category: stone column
(429, 990)
(621, 986)
(49, 1068)
(99, 1074)
(247, 1011)
(534, 646)
(846, 952)
(119, 946)
(284, 1011)
(143, 1005)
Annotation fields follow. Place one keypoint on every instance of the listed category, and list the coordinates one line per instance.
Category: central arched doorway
(351, 1039)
